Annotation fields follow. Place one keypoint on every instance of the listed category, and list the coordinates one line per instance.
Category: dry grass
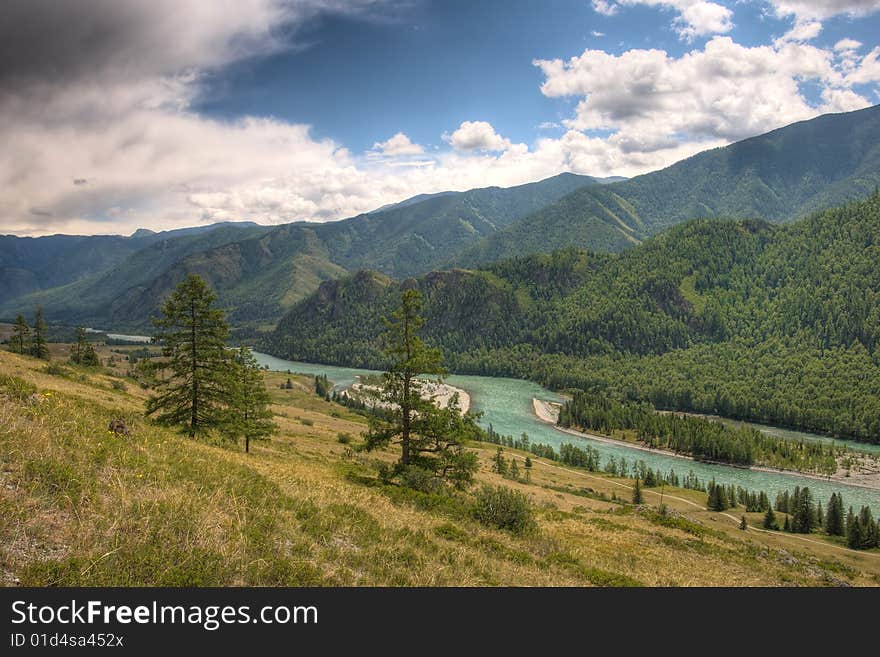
(80, 506)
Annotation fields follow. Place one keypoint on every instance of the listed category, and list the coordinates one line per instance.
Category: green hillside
(778, 176)
(739, 317)
(259, 271)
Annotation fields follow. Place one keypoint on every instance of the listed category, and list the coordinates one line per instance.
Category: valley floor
(79, 505)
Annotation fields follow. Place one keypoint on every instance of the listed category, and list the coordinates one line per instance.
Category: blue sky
(163, 113)
(429, 66)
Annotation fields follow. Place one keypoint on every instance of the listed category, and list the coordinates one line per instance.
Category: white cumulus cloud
(477, 136)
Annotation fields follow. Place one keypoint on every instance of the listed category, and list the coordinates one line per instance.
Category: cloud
(652, 102)
(100, 136)
(477, 136)
(847, 44)
(694, 17)
(605, 7)
(597, 33)
(399, 144)
(803, 30)
(822, 9)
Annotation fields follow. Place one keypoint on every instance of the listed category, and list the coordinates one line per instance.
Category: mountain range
(261, 272)
(743, 318)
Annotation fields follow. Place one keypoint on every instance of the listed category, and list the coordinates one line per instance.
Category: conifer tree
(528, 468)
(39, 347)
(853, 533)
(770, 519)
(195, 382)
(20, 334)
(834, 519)
(249, 414)
(743, 524)
(82, 352)
(637, 492)
(431, 439)
(514, 469)
(499, 463)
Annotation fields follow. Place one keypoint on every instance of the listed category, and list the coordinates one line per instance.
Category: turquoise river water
(506, 404)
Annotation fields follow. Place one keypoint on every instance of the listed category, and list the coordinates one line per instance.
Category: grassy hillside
(741, 318)
(778, 176)
(81, 506)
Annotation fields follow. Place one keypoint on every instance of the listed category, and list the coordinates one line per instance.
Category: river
(506, 404)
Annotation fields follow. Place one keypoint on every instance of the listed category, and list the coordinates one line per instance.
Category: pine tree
(82, 352)
(853, 531)
(249, 414)
(834, 520)
(197, 380)
(431, 439)
(499, 463)
(39, 347)
(514, 469)
(803, 512)
(743, 524)
(528, 468)
(20, 334)
(787, 525)
(637, 492)
(770, 519)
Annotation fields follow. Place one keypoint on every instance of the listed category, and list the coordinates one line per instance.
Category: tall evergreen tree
(194, 385)
(39, 346)
(803, 517)
(770, 519)
(20, 334)
(431, 439)
(82, 352)
(637, 492)
(834, 518)
(514, 469)
(853, 531)
(249, 413)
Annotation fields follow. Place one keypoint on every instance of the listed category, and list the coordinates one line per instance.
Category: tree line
(700, 438)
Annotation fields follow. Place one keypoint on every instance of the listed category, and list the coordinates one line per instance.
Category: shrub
(504, 508)
(344, 438)
(118, 385)
(306, 421)
(420, 479)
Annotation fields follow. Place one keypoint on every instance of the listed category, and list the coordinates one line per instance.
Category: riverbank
(441, 393)
(866, 473)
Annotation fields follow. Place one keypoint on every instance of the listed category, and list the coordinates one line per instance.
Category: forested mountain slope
(741, 317)
(259, 272)
(778, 176)
(31, 264)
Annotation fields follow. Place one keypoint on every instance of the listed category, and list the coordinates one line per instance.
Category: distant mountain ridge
(777, 176)
(259, 272)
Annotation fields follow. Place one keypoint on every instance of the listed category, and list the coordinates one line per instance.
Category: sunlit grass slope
(81, 506)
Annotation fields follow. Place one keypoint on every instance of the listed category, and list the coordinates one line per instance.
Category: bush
(420, 479)
(118, 385)
(504, 508)
(306, 421)
(344, 438)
